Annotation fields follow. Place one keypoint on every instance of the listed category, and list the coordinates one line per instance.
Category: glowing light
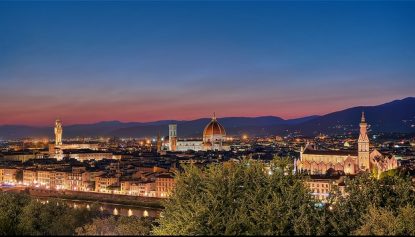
(130, 212)
(115, 212)
(145, 213)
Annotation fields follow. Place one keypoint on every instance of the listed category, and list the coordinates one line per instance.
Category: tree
(11, 206)
(240, 199)
(117, 226)
(406, 220)
(364, 192)
(384, 221)
(378, 222)
(52, 219)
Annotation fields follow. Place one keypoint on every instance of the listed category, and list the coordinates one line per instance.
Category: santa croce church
(315, 161)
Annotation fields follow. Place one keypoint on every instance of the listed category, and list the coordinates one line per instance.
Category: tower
(158, 145)
(172, 137)
(58, 132)
(363, 145)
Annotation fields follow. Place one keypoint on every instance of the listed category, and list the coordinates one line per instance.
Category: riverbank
(150, 202)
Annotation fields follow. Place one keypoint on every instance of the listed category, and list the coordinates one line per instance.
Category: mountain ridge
(393, 116)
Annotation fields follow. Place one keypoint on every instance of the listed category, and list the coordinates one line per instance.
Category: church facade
(315, 161)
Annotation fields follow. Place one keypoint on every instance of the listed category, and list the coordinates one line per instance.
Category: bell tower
(172, 137)
(363, 145)
(158, 143)
(58, 132)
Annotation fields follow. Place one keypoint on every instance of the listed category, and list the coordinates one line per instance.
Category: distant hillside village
(147, 167)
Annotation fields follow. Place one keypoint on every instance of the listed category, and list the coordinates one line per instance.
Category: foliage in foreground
(245, 199)
(235, 199)
(239, 199)
(23, 215)
(382, 221)
(117, 226)
(365, 193)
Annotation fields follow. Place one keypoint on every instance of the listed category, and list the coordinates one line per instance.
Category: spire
(363, 120)
(214, 116)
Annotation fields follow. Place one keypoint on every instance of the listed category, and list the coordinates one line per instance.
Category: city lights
(182, 118)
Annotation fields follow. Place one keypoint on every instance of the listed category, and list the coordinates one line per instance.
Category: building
(322, 187)
(56, 150)
(58, 132)
(8, 175)
(29, 177)
(214, 136)
(191, 144)
(87, 155)
(44, 178)
(164, 185)
(22, 156)
(172, 137)
(213, 139)
(363, 158)
(59, 179)
(382, 161)
(77, 180)
(314, 161)
(103, 182)
(144, 189)
(158, 143)
(138, 188)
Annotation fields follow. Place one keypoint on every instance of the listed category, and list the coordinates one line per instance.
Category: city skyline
(197, 117)
(147, 61)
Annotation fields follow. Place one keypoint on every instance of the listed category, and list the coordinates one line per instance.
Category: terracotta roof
(214, 128)
(331, 152)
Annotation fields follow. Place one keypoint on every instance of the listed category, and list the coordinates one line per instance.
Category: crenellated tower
(58, 132)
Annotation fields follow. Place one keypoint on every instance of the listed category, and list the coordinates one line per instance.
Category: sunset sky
(142, 61)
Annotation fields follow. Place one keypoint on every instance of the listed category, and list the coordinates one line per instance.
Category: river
(110, 208)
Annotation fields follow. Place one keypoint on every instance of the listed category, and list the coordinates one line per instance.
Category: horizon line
(184, 120)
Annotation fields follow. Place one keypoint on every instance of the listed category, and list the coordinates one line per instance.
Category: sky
(93, 61)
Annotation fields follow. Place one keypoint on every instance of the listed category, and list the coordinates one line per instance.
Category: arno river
(110, 208)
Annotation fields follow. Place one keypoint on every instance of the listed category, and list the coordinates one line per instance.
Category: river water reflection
(110, 208)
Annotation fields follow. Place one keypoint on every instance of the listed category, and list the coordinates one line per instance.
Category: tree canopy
(251, 198)
(117, 226)
(244, 198)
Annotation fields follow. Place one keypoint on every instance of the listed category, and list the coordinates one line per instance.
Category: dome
(214, 135)
(213, 129)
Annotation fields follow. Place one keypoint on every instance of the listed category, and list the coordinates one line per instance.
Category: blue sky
(142, 61)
